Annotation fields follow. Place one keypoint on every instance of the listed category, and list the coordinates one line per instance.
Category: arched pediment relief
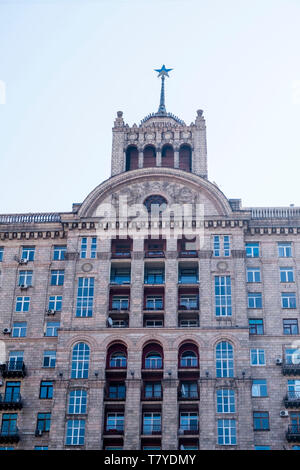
(175, 185)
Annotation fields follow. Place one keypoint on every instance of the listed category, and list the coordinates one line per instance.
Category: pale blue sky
(70, 65)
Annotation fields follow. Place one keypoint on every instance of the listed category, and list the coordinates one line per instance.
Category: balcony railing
(274, 212)
(116, 430)
(13, 402)
(189, 430)
(151, 429)
(13, 369)
(154, 254)
(292, 400)
(188, 395)
(188, 254)
(9, 436)
(290, 369)
(29, 218)
(121, 254)
(293, 433)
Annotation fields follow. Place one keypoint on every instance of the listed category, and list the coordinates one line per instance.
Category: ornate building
(114, 339)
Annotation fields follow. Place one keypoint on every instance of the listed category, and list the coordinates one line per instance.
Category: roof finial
(163, 73)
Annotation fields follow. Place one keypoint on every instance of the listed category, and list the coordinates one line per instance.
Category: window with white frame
(224, 360)
(25, 278)
(120, 302)
(189, 421)
(15, 360)
(22, 304)
(226, 431)
(288, 300)
(75, 432)
(154, 323)
(189, 323)
(77, 402)
(88, 247)
(284, 250)
(252, 250)
(225, 401)
(52, 328)
(85, 297)
(294, 389)
(80, 361)
(151, 423)
(221, 245)
(286, 274)
(59, 252)
(57, 277)
(259, 388)
(55, 303)
(115, 422)
(223, 305)
(254, 300)
(19, 330)
(257, 357)
(28, 253)
(253, 275)
(49, 359)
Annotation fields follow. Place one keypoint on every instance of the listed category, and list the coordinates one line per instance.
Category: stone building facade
(113, 341)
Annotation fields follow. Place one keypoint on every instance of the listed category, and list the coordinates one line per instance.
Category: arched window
(153, 360)
(149, 156)
(167, 156)
(155, 202)
(224, 360)
(188, 356)
(117, 357)
(132, 158)
(185, 158)
(80, 361)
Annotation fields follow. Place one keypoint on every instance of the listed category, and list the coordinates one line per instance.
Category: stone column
(137, 284)
(171, 287)
(158, 156)
(169, 412)
(176, 157)
(141, 158)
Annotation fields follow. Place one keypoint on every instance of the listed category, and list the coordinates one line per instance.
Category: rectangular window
(25, 278)
(294, 389)
(57, 277)
(116, 391)
(55, 303)
(253, 275)
(225, 401)
(115, 422)
(83, 248)
(1, 253)
(290, 326)
(51, 328)
(88, 248)
(15, 361)
(154, 302)
(188, 390)
(259, 388)
(9, 424)
(28, 253)
(188, 276)
(120, 276)
(46, 390)
(85, 297)
(154, 323)
(261, 421)
(223, 296)
(77, 402)
(93, 251)
(43, 422)
(221, 245)
(12, 392)
(152, 390)
(154, 276)
(59, 252)
(262, 448)
(151, 423)
(254, 300)
(19, 330)
(189, 421)
(22, 304)
(292, 356)
(257, 357)
(49, 359)
(188, 302)
(284, 250)
(256, 326)
(189, 323)
(288, 300)
(286, 275)
(226, 432)
(252, 250)
(75, 432)
(120, 302)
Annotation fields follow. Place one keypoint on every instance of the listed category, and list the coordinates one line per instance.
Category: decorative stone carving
(87, 267)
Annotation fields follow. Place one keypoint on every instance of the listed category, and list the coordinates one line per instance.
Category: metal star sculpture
(163, 73)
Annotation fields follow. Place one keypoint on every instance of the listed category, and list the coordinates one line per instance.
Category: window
(116, 391)
(28, 253)
(12, 392)
(57, 277)
(59, 252)
(80, 361)
(151, 423)
(189, 323)
(252, 250)
(292, 356)
(290, 326)
(88, 247)
(188, 390)
(284, 250)
(77, 402)
(254, 300)
(261, 421)
(19, 330)
(154, 276)
(188, 302)
(294, 389)
(52, 328)
(25, 278)
(85, 297)
(9, 424)
(225, 401)
(224, 360)
(40, 447)
(257, 357)
(154, 302)
(75, 432)
(49, 359)
(286, 275)
(152, 390)
(15, 361)
(189, 421)
(55, 303)
(223, 296)
(115, 422)
(154, 323)
(256, 326)
(288, 300)
(120, 276)
(188, 359)
(118, 360)
(46, 390)
(221, 245)
(1, 253)
(43, 422)
(120, 302)
(262, 448)
(188, 275)
(259, 388)
(153, 361)
(226, 432)
(22, 304)
(253, 275)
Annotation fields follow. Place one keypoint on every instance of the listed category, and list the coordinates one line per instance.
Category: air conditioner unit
(23, 261)
(23, 286)
(278, 361)
(51, 312)
(7, 331)
(38, 432)
(284, 413)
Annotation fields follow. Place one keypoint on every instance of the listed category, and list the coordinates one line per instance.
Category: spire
(163, 73)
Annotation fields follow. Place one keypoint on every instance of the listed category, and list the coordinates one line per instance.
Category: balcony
(292, 400)
(293, 433)
(154, 396)
(11, 402)
(7, 437)
(189, 430)
(121, 254)
(13, 369)
(187, 395)
(154, 430)
(118, 430)
(290, 369)
(154, 254)
(188, 254)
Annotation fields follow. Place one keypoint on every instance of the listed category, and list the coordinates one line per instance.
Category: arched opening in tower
(185, 158)
(132, 158)
(167, 156)
(149, 156)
